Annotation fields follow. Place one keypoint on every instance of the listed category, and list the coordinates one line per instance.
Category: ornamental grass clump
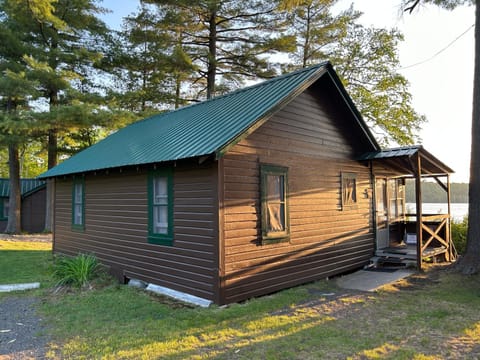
(78, 271)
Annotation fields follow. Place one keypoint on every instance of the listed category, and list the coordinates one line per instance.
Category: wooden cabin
(33, 198)
(242, 195)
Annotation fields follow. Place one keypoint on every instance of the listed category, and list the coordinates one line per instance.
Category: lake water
(458, 210)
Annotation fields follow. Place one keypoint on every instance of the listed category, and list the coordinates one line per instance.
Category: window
(160, 203)
(4, 206)
(78, 204)
(396, 195)
(349, 189)
(275, 226)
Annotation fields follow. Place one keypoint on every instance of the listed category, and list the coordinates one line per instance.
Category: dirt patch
(27, 237)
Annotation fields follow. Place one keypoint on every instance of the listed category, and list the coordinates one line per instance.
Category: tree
(366, 60)
(470, 262)
(14, 131)
(317, 30)
(231, 41)
(151, 63)
(16, 89)
(61, 43)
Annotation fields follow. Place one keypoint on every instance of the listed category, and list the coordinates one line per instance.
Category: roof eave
(353, 109)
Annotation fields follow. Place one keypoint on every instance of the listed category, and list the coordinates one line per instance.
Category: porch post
(449, 223)
(418, 198)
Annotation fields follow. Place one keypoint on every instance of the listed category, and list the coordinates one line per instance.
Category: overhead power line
(440, 51)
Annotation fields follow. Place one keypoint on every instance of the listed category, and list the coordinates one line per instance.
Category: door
(381, 208)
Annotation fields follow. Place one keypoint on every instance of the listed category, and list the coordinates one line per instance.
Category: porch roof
(402, 160)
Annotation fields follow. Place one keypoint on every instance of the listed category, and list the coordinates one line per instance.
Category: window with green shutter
(78, 204)
(160, 207)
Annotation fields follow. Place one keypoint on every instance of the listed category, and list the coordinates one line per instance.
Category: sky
(436, 57)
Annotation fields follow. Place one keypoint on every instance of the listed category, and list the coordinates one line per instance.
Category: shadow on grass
(433, 321)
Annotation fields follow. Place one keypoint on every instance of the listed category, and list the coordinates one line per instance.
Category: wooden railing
(442, 226)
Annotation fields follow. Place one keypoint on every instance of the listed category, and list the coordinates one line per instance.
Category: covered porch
(409, 235)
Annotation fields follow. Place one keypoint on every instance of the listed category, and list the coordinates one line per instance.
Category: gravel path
(22, 331)
(22, 334)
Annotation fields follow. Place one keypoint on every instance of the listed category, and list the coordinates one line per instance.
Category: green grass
(434, 315)
(423, 318)
(24, 262)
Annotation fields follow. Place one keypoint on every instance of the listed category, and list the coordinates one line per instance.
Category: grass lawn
(24, 262)
(435, 315)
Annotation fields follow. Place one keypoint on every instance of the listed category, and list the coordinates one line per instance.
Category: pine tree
(61, 43)
(152, 65)
(317, 31)
(16, 90)
(230, 41)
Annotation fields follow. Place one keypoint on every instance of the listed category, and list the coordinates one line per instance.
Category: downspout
(374, 206)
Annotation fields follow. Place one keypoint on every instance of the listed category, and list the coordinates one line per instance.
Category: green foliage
(78, 271)
(226, 41)
(85, 81)
(459, 234)
(367, 59)
(317, 30)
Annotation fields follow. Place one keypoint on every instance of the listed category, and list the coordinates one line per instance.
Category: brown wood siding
(116, 228)
(311, 139)
(32, 214)
(33, 211)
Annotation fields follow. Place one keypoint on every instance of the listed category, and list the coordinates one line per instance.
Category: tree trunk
(52, 161)
(212, 54)
(470, 262)
(14, 203)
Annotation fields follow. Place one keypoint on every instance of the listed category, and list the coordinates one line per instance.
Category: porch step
(398, 253)
(392, 262)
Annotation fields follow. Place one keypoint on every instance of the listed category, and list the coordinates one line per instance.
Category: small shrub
(459, 234)
(77, 271)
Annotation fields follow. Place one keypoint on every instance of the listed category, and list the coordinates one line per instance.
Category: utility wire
(440, 51)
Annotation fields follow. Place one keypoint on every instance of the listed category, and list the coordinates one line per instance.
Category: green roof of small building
(402, 158)
(205, 128)
(26, 186)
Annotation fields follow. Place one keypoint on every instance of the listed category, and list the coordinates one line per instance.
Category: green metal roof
(401, 158)
(206, 128)
(26, 186)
